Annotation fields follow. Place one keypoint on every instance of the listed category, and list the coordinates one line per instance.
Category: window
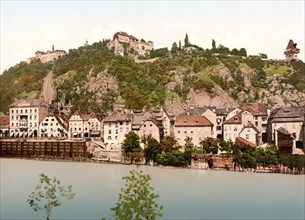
(30, 110)
(12, 117)
(247, 136)
(52, 119)
(79, 129)
(109, 137)
(178, 131)
(47, 119)
(17, 111)
(109, 132)
(185, 132)
(21, 111)
(12, 111)
(30, 117)
(150, 125)
(121, 129)
(35, 110)
(256, 123)
(12, 124)
(144, 125)
(191, 132)
(26, 111)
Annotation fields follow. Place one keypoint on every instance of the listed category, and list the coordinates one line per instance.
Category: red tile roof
(256, 109)
(192, 121)
(241, 142)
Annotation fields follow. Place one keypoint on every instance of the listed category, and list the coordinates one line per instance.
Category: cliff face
(94, 78)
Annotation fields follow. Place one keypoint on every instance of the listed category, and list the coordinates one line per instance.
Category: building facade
(26, 116)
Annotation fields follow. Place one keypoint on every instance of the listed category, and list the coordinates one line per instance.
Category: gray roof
(287, 114)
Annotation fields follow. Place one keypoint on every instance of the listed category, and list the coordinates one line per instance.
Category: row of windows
(25, 111)
(19, 117)
(24, 124)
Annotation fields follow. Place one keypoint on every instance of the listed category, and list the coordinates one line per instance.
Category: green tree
(186, 40)
(226, 146)
(131, 143)
(169, 143)
(213, 44)
(209, 145)
(137, 199)
(174, 48)
(188, 149)
(49, 192)
(152, 149)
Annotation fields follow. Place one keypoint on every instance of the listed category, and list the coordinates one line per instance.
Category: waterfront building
(26, 116)
(241, 125)
(76, 125)
(260, 113)
(287, 123)
(54, 125)
(93, 125)
(192, 124)
(116, 125)
(4, 126)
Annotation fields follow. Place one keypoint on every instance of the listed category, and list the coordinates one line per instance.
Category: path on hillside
(47, 90)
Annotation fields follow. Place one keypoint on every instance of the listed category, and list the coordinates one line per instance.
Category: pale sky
(258, 26)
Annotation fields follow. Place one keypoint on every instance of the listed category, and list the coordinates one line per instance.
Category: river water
(184, 193)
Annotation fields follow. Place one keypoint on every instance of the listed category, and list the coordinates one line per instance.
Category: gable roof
(292, 47)
(288, 114)
(194, 111)
(250, 125)
(241, 142)
(119, 115)
(236, 119)
(256, 109)
(192, 121)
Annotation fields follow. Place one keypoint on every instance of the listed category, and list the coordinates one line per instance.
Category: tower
(291, 51)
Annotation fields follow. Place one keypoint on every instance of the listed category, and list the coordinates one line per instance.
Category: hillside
(93, 78)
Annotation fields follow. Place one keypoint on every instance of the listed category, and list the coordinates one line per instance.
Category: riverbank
(238, 169)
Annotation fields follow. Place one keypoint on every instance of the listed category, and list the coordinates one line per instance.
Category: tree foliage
(131, 143)
(47, 195)
(137, 199)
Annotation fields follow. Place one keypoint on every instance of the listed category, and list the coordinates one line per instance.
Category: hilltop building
(123, 42)
(291, 51)
(47, 56)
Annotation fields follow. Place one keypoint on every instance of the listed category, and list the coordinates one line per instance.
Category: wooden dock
(43, 149)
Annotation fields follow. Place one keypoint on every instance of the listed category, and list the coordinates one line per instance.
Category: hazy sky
(258, 26)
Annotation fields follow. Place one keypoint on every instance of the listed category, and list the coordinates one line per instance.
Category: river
(184, 193)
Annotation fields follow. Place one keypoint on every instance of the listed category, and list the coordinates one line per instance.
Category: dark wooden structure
(43, 149)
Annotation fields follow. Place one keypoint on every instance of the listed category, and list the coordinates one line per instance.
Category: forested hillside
(93, 78)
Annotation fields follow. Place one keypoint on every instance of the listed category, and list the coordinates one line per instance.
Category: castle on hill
(47, 56)
(123, 42)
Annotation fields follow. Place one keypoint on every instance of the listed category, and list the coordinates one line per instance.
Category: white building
(55, 125)
(26, 116)
(76, 126)
(116, 126)
(196, 127)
